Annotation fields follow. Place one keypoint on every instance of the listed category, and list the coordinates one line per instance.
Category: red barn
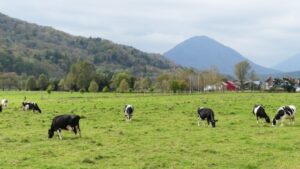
(230, 86)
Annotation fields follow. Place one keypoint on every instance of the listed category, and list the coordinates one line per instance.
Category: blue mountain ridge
(202, 52)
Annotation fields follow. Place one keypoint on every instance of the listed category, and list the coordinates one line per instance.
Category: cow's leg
(59, 135)
(198, 121)
(257, 120)
(75, 129)
(282, 120)
(290, 120)
(130, 117)
(293, 120)
(79, 130)
(203, 123)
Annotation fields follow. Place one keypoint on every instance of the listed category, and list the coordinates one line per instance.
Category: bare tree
(242, 72)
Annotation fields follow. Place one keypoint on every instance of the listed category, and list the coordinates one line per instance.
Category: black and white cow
(128, 110)
(64, 122)
(31, 106)
(4, 103)
(283, 113)
(260, 113)
(208, 114)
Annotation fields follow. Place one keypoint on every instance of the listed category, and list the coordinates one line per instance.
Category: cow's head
(213, 123)
(268, 119)
(293, 108)
(50, 133)
(274, 122)
(37, 107)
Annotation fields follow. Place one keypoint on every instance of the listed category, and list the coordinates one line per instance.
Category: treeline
(84, 77)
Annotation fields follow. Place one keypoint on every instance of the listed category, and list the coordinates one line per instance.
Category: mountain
(289, 65)
(202, 52)
(27, 48)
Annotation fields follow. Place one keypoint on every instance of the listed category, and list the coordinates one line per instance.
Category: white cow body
(4, 103)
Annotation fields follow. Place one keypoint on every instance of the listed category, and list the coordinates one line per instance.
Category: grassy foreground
(162, 134)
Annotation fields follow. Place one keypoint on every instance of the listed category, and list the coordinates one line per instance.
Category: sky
(265, 31)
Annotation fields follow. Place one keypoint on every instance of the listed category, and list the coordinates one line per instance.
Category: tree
(80, 76)
(242, 72)
(9, 80)
(124, 86)
(142, 84)
(105, 89)
(81, 82)
(42, 82)
(182, 85)
(61, 84)
(50, 88)
(102, 79)
(253, 77)
(93, 86)
(162, 82)
(174, 86)
(118, 78)
(31, 83)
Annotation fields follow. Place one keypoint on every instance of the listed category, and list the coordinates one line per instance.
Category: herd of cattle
(71, 122)
(284, 112)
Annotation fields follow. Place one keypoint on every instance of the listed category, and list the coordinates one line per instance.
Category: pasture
(162, 134)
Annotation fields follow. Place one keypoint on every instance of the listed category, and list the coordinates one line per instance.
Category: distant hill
(33, 49)
(202, 52)
(289, 65)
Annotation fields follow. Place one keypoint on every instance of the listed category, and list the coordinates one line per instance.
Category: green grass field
(162, 134)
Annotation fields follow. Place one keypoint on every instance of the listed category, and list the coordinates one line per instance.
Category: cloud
(260, 30)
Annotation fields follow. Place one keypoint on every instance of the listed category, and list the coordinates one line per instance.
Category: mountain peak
(200, 40)
(203, 52)
(202, 37)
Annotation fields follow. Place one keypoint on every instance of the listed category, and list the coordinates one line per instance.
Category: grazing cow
(208, 114)
(283, 113)
(64, 122)
(31, 106)
(260, 113)
(4, 103)
(128, 110)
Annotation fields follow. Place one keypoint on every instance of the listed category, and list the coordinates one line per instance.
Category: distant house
(230, 86)
(252, 85)
(269, 83)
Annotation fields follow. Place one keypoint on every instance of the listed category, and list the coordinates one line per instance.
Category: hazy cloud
(264, 31)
